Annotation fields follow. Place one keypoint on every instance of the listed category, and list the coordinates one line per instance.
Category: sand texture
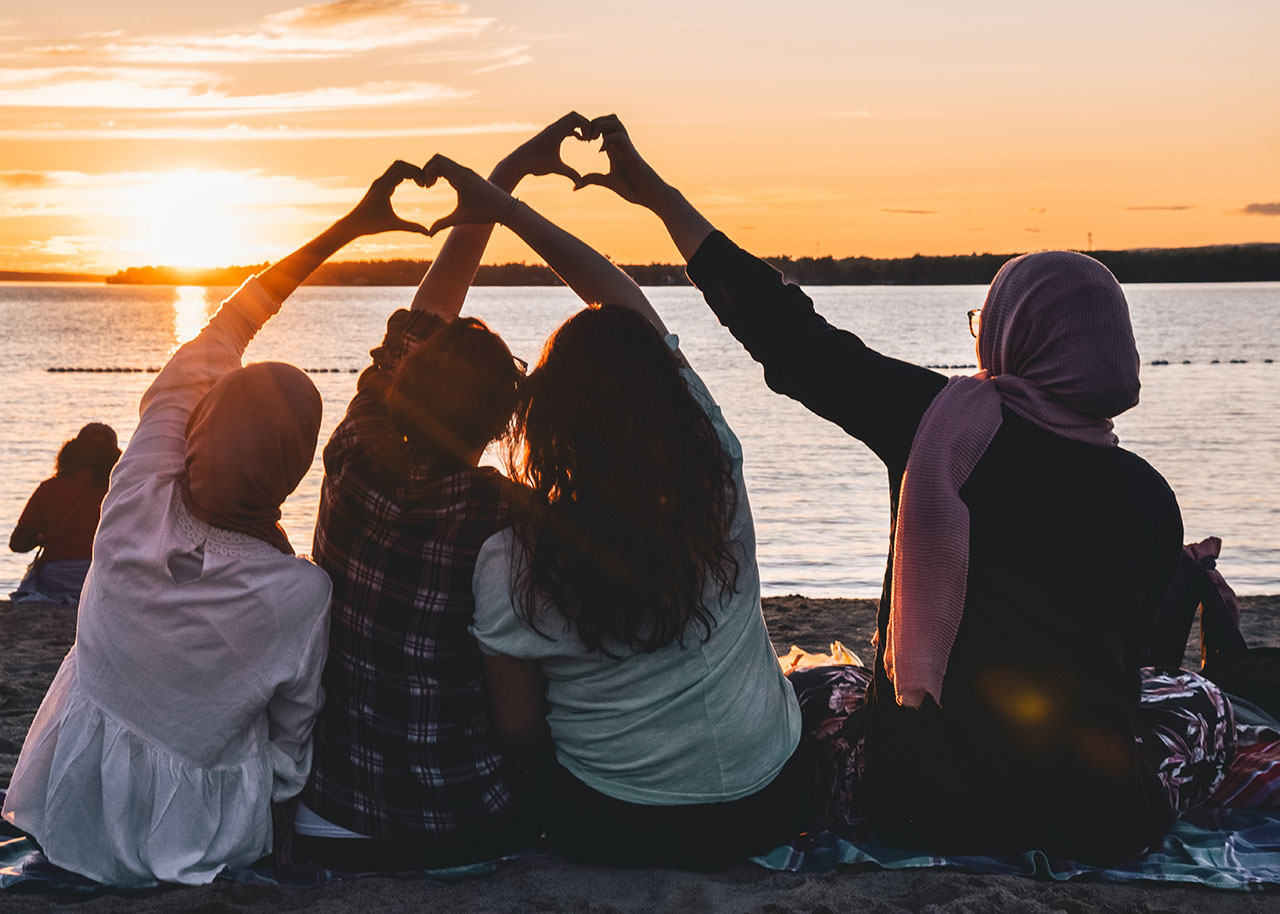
(35, 638)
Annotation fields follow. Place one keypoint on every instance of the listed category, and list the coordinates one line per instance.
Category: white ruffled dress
(185, 706)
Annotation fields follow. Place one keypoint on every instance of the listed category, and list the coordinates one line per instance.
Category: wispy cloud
(1170, 208)
(192, 91)
(505, 58)
(1034, 231)
(238, 132)
(912, 212)
(70, 245)
(16, 180)
(324, 30)
(102, 194)
(1262, 209)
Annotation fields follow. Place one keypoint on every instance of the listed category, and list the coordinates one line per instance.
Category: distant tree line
(36, 276)
(1222, 263)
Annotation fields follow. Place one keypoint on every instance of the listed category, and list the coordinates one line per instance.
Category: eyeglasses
(975, 321)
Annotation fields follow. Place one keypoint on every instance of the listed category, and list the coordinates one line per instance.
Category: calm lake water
(1211, 425)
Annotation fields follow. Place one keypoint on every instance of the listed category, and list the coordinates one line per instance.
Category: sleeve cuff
(242, 315)
(708, 257)
(252, 301)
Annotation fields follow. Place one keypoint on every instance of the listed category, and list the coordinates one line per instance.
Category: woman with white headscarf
(1029, 555)
(184, 709)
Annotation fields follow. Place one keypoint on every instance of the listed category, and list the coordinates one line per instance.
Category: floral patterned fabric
(1185, 732)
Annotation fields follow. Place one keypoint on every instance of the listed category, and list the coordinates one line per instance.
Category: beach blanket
(1224, 848)
(24, 867)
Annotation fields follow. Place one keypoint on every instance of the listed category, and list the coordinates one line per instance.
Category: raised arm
(371, 216)
(634, 180)
(831, 371)
(444, 289)
(158, 444)
(593, 277)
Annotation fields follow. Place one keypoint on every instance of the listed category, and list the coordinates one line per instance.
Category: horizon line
(89, 276)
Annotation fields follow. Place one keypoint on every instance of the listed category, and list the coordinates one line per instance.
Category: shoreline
(37, 636)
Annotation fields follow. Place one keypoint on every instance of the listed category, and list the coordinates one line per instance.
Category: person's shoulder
(497, 551)
(48, 490)
(1142, 476)
(493, 583)
(307, 585)
(510, 501)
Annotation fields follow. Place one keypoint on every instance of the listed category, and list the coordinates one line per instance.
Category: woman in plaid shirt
(409, 771)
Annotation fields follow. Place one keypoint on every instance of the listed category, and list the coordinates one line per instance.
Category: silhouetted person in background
(61, 518)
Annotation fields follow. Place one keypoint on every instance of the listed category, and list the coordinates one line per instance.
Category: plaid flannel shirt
(404, 747)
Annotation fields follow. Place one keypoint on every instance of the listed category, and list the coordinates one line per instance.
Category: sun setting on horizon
(140, 133)
(190, 218)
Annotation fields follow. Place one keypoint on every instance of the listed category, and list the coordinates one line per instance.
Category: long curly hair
(631, 493)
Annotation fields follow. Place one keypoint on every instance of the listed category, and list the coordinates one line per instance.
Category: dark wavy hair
(631, 493)
(455, 392)
(94, 454)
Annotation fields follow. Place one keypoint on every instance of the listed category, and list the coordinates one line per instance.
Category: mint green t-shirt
(707, 722)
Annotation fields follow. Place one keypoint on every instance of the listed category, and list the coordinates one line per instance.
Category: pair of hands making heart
(481, 202)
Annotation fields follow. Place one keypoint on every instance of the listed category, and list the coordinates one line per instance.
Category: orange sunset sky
(139, 132)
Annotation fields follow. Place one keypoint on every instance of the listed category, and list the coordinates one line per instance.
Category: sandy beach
(35, 639)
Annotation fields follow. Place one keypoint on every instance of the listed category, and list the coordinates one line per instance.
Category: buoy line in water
(1152, 362)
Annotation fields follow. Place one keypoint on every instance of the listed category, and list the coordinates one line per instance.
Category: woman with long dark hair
(621, 614)
(634, 489)
(61, 518)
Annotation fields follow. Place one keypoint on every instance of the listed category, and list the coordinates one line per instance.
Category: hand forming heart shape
(374, 213)
(479, 201)
(543, 154)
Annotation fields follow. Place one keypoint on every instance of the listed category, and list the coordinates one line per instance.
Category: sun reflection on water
(190, 313)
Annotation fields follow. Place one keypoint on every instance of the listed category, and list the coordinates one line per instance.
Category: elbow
(21, 541)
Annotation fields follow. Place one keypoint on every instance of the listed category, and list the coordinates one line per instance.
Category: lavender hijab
(250, 440)
(1056, 347)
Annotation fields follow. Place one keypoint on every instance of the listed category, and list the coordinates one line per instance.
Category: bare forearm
(280, 280)
(687, 227)
(444, 289)
(371, 216)
(591, 276)
(636, 181)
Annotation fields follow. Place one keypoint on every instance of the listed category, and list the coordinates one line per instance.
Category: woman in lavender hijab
(1029, 555)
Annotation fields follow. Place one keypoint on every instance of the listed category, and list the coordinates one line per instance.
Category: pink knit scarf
(1056, 347)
